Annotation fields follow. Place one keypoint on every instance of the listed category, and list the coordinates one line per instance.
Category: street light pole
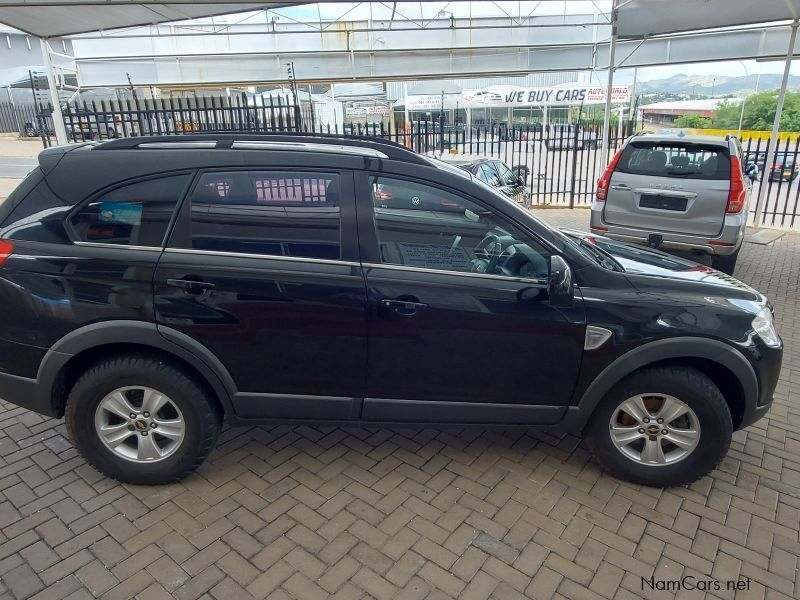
(744, 100)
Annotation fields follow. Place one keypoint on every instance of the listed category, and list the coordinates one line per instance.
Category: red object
(715, 243)
(605, 178)
(6, 248)
(598, 228)
(738, 191)
(383, 195)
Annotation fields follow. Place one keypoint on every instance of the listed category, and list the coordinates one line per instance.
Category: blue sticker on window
(120, 212)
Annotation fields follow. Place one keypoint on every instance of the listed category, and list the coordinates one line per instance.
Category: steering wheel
(491, 247)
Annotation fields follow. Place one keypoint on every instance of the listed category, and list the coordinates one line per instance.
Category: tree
(759, 112)
(691, 121)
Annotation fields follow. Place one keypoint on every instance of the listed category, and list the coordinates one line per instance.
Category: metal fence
(560, 164)
(18, 118)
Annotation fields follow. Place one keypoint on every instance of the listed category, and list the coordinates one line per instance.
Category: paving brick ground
(296, 512)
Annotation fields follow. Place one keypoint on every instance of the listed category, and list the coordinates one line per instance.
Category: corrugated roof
(54, 18)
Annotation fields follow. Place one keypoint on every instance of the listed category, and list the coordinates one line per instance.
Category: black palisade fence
(559, 163)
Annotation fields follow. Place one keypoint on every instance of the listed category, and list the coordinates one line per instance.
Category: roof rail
(224, 139)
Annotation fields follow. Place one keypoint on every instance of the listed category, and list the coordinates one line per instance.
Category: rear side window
(38, 216)
(677, 160)
(137, 214)
(273, 213)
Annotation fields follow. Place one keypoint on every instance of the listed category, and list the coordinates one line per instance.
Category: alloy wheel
(654, 429)
(140, 424)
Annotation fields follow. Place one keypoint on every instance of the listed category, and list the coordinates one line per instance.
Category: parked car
(785, 167)
(96, 126)
(153, 286)
(683, 193)
(758, 158)
(496, 173)
(567, 136)
(32, 130)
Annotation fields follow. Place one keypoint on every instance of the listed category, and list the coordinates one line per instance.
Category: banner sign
(432, 102)
(363, 111)
(553, 96)
(502, 97)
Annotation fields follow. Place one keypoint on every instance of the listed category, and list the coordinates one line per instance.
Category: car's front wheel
(141, 420)
(661, 426)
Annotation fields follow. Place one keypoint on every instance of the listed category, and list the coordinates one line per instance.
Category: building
(667, 112)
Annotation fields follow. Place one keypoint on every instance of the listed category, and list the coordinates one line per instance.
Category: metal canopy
(55, 18)
(643, 18)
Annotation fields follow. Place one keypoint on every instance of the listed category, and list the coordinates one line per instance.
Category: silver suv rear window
(675, 159)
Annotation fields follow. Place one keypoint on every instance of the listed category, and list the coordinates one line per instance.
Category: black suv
(153, 286)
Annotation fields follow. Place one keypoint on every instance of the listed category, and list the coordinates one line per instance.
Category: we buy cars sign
(554, 96)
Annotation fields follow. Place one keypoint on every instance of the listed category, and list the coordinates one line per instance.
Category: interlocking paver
(301, 512)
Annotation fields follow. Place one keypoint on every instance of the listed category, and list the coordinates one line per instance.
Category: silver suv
(677, 192)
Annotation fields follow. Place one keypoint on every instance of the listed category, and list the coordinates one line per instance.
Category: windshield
(440, 164)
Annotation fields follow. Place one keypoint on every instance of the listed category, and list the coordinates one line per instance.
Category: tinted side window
(268, 212)
(447, 232)
(38, 217)
(137, 214)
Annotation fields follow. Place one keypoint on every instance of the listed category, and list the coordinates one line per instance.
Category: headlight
(765, 328)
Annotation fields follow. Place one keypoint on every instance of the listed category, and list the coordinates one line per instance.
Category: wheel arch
(72, 354)
(723, 364)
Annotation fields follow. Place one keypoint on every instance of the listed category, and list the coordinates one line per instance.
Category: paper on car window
(435, 257)
(120, 212)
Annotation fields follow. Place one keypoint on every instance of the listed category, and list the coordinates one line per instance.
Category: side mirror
(751, 170)
(560, 288)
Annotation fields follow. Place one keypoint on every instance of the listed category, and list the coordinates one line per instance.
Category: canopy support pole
(607, 114)
(57, 116)
(773, 139)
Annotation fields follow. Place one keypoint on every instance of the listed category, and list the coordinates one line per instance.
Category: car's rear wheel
(141, 420)
(661, 426)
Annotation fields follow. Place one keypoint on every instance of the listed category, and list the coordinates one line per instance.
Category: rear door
(670, 186)
(262, 269)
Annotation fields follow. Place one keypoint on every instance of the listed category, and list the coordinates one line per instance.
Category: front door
(262, 269)
(460, 326)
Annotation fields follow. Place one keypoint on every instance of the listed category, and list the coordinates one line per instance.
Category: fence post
(574, 165)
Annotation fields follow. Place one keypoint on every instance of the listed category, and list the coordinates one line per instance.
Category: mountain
(720, 85)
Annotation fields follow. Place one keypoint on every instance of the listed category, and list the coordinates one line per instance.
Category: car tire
(151, 448)
(726, 264)
(708, 414)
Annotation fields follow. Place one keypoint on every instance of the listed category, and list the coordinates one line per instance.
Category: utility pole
(772, 147)
(130, 85)
(607, 113)
(311, 104)
(293, 85)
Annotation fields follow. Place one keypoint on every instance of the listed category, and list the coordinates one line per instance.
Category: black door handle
(403, 307)
(194, 287)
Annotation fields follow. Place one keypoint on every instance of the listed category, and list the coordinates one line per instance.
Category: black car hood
(642, 261)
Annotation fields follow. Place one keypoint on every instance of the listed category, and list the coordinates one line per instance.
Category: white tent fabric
(54, 18)
(640, 18)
